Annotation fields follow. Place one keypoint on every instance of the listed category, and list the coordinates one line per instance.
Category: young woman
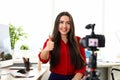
(63, 50)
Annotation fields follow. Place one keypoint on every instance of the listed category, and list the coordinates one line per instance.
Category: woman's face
(64, 25)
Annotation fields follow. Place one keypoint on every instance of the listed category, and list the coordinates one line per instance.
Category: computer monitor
(6, 58)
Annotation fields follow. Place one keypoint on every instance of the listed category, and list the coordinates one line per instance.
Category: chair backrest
(112, 74)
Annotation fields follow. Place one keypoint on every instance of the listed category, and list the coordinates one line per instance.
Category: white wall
(112, 29)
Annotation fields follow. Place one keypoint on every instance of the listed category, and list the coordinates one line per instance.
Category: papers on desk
(4, 72)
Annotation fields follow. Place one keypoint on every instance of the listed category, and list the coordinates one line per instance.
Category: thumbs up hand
(50, 44)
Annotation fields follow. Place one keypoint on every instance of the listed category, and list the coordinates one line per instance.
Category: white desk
(105, 69)
(37, 75)
(107, 64)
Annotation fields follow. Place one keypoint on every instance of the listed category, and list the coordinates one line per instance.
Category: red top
(65, 67)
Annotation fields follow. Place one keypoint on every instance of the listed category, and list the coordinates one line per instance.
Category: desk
(107, 64)
(37, 74)
(105, 69)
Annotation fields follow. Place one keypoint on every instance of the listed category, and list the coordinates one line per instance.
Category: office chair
(112, 74)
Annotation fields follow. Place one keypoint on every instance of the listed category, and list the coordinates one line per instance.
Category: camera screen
(92, 42)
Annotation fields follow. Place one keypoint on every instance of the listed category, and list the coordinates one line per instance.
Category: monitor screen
(93, 42)
(5, 46)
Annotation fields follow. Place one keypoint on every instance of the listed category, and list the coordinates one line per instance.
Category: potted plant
(16, 34)
(5, 56)
(24, 47)
(8, 56)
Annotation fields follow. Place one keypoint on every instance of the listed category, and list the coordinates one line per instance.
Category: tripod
(92, 74)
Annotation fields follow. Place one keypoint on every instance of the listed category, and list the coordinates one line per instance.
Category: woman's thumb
(50, 38)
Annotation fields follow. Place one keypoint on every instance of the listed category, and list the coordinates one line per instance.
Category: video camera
(94, 40)
(91, 42)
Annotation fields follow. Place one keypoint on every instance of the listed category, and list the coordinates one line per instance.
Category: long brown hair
(76, 58)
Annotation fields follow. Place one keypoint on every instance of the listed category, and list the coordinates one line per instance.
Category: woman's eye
(64, 22)
(61, 22)
(68, 22)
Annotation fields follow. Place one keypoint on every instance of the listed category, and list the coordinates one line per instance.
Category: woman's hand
(50, 44)
(78, 76)
(49, 47)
